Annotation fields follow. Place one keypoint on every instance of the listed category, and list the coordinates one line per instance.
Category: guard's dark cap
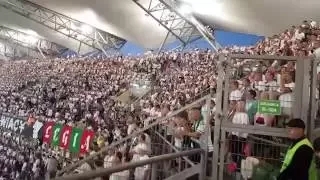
(296, 123)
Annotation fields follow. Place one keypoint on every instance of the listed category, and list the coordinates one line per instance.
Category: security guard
(299, 162)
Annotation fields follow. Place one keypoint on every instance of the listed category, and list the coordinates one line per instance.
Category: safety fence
(154, 124)
(134, 169)
(256, 97)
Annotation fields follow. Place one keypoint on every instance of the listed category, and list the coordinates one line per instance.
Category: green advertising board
(271, 107)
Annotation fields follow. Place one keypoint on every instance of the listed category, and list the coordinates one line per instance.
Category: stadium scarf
(47, 132)
(56, 135)
(86, 139)
(75, 140)
(65, 137)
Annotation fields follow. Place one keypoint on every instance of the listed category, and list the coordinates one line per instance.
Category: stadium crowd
(82, 93)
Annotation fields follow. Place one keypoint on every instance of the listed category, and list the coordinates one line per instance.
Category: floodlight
(86, 29)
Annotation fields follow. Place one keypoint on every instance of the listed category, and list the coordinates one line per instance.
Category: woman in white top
(238, 139)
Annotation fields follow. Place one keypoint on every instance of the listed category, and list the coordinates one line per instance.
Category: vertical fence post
(205, 139)
(218, 119)
(203, 162)
(154, 173)
(313, 106)
(222, 153)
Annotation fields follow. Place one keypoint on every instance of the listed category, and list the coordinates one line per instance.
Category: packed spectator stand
(82, 93)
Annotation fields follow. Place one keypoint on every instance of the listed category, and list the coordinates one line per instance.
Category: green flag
(75, 140)
(56, 135)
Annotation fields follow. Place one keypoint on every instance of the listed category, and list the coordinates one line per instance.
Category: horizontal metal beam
(185, 174)
(122, 167)
(71, 28)
(28, 40)
(250, 129)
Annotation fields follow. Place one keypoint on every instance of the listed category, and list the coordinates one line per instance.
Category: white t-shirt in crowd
(290, 85)
(123, 175)
(240, 118)
(107, 161)
(131, 128)
(235, 95)
(267, 86)
(138, 148)
(83, 168)
(140, 172)
(286, 100)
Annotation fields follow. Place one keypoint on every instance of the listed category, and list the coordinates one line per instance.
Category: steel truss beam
(11, 49)
(206, 33)
(31, 41)
(65, 25)
(178, 28)
(183, 28)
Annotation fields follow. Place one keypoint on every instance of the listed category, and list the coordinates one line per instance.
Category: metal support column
(218, 119)
(207, 134)
(301, 93)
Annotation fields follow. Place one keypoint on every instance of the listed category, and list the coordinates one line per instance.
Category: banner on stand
(67, 137)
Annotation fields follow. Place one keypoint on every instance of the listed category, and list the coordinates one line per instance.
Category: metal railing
(135, 134)
(105, 172)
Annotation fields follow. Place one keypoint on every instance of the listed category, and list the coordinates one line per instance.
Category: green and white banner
(75, 140)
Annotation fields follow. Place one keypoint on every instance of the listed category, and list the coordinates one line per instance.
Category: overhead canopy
(126, 20)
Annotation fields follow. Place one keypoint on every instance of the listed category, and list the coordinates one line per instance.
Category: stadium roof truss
(71, 28)
(184, 29)
(14, 50)
(31, 41)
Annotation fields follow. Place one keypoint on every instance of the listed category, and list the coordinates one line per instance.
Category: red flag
(47, 132)
(65, 137)
(86, 139)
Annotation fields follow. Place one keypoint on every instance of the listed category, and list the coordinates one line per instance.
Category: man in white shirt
(142, 172)
(235, 94)
(286, 100)
(199, 127)
(141, 146)
(269, 84)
